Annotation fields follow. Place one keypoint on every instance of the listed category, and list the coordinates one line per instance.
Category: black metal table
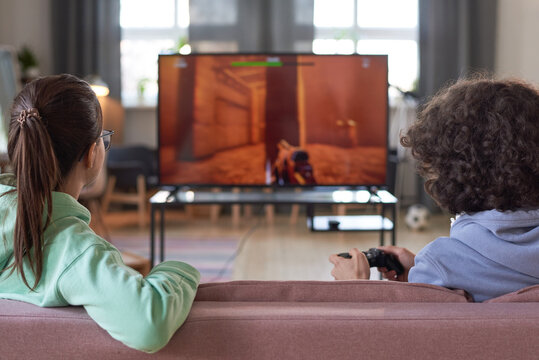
(171, 197)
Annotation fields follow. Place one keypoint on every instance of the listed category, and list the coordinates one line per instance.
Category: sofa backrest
(298, 319)
(328, 291)
(528, 294)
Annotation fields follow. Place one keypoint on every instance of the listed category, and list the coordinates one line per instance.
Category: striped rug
(210, 256)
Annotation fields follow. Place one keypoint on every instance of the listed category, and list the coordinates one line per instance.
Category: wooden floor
(282, 251)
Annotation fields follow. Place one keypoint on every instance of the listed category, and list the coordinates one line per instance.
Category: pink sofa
(299, 320)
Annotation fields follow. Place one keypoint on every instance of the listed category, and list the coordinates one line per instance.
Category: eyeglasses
(107, 138)
(107, 141)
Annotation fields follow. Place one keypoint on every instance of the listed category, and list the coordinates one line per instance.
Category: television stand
(171, 197)
(349, 223)
(377, 222)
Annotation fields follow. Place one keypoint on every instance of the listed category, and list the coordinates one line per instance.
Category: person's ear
(90, 156)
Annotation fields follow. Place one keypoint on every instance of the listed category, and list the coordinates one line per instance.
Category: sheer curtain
(456, 37)
(8, 90)
(86, 39)
(251, 25)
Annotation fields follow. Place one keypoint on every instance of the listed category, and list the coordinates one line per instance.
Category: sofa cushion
(528, 294)
(352, 330)
(327, 291)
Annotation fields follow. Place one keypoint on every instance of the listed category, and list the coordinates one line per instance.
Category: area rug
(213, 257)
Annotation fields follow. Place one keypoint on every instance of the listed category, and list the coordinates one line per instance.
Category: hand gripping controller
(378, 258)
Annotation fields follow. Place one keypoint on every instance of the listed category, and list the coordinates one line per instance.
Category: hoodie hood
(510, 238)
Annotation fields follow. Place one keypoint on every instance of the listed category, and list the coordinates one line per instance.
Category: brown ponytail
(53, 122)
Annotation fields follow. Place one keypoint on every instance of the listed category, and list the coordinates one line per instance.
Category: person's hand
(350, 269)
(404, 256)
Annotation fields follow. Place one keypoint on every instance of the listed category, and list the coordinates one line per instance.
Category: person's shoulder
(66, 207)
(70, 223)
(70, 237)
(441, 245)
(8, 180)
(443, 253)
(431, 263)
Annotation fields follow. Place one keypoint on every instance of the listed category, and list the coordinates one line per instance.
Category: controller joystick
(378, 258)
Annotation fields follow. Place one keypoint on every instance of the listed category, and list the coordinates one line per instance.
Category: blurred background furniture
(112, 109)
(9, 87)
(113, 118)
(137, 262)
(132, 172)
(91, 196)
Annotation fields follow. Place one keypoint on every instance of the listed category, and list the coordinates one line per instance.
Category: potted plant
(28, 63)
(141, 87)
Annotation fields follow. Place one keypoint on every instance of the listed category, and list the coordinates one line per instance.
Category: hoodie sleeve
(426, 270)
(143, 313)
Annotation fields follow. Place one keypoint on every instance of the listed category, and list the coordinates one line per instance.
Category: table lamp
(100, 87)
(113, 111)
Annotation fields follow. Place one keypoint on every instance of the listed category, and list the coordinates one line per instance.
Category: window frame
(227, 34)
(367, 33)
(145, 33)
(356, 33)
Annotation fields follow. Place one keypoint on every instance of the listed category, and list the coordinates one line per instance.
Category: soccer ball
(417, 217)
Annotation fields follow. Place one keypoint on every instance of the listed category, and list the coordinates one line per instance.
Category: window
(215, 25)
(148, 28)
(341, 27)
(371, 27)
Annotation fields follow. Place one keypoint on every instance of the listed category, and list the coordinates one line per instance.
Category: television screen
(282, 120)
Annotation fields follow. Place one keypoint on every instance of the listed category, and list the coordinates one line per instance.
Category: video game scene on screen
(280, 120)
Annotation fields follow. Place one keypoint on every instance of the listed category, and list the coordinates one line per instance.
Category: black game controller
(378, 258)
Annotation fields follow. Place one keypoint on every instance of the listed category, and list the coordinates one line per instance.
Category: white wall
(141, 126)
(517, 52)
(27, 22)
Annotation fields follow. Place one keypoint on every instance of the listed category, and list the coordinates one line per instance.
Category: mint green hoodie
(80, 268)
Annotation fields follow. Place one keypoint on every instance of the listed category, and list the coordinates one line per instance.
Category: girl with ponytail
(49, 256)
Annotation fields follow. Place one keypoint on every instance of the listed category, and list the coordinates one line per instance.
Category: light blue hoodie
(488, 254)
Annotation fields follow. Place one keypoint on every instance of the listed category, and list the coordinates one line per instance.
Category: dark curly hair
(477, 145)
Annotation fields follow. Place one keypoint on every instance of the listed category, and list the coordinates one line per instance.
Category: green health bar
(257, 63)
(269, 63)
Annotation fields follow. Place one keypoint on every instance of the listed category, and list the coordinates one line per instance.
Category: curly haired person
(477, 146)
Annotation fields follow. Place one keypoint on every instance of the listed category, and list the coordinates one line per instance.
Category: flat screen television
(272, 120)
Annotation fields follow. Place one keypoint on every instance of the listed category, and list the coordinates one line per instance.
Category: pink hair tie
(25, 114)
